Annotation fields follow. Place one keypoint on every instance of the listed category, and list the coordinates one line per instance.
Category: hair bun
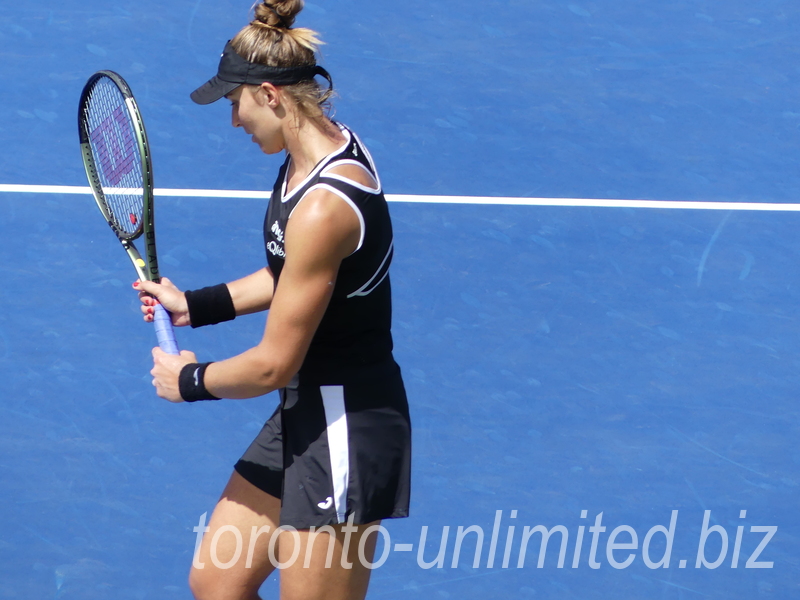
(279, 14)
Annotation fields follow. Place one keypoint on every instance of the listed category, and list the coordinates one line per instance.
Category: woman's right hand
(166, 294)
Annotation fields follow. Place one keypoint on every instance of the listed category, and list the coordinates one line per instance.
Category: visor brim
(211, 91)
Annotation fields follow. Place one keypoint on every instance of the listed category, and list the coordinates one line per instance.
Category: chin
(270, 149)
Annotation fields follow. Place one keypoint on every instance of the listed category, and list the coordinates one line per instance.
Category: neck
(309, 142)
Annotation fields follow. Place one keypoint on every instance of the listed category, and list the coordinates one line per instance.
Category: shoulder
(324, 222)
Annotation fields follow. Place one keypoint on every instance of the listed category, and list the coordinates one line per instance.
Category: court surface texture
(571, 364)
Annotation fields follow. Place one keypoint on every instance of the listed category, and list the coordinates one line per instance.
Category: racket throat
(136, 259)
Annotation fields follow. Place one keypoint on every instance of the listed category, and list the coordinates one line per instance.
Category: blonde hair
(269, 39)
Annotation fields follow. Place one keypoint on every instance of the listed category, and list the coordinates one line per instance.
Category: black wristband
(191, 385)
(210, 305)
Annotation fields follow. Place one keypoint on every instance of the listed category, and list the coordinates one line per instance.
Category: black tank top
(356, 327)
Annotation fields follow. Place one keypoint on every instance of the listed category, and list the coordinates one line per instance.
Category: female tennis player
(334, 459)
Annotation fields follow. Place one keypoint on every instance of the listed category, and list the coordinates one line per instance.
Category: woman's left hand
(166, 371)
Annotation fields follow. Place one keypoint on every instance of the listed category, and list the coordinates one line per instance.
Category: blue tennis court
(618, 379)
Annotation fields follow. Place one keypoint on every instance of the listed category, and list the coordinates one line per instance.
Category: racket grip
(164, 331)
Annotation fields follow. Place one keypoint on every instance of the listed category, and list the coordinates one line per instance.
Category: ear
(269, 95)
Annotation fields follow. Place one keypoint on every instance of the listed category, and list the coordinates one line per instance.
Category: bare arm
(322, 231)
(252, 293)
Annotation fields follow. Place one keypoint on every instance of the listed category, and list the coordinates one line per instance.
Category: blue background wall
(629, 362)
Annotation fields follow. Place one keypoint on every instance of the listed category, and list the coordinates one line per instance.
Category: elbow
(274, 375)
(275, 365)
(275, 380)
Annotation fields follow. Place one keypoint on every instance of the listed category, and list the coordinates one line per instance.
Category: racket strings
(116, 154)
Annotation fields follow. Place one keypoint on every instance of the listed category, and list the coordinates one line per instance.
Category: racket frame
(146, 266)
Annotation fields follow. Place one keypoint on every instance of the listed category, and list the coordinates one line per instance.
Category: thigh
(326, 564)
(234, 558)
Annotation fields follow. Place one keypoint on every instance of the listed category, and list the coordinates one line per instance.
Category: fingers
(147, 295)
(148, 306)
(165, 293)
(147, 287)
(166, 372)
(185, 356)
(159, 372)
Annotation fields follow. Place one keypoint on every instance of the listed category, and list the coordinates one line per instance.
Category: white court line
(77, 189)
(574, 202)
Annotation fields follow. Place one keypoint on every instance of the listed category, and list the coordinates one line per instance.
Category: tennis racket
(116, 156)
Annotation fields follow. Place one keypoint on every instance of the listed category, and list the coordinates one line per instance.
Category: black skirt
(339, 445)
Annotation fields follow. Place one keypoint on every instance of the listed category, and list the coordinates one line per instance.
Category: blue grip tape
(164, 331)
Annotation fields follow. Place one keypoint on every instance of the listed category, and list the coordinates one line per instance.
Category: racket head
(116, 156)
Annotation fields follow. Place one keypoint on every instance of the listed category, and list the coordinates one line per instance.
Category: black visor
(234, 71)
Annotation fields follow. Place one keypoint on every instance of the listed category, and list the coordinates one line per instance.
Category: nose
(235, 117)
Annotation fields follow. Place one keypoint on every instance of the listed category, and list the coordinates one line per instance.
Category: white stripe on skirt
(336, 418)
